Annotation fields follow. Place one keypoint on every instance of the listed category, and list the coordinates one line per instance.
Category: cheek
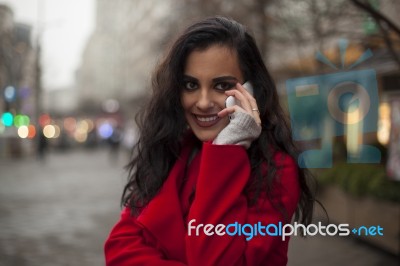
(183, 102)
(186, 101)
(221, 101)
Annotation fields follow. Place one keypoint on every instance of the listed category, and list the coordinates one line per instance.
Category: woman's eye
(189, 85)
(223, 86)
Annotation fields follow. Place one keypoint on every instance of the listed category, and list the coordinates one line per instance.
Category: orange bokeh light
(32, 131)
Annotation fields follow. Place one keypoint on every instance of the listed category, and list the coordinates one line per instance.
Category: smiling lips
(206, 120)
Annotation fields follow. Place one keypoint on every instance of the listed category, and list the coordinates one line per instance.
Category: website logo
(280, 230)
(324, 106)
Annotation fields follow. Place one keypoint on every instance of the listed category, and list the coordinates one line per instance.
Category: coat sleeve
(219, 199)
(128, 244)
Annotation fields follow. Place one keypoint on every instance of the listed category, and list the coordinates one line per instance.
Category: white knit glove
(242, 130)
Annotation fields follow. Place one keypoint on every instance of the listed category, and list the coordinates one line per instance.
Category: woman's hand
(245, 124)
(247, 104)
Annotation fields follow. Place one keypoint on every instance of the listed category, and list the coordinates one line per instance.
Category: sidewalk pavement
(334, 251)
(60, 211)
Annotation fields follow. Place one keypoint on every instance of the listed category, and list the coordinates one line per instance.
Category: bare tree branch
(376, 15)
(389, 43)
(384, 24)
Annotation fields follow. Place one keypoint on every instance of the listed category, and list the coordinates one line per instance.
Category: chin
(205, 136)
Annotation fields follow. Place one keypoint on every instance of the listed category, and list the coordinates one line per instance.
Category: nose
(205, 99)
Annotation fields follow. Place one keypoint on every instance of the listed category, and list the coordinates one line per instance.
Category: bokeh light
(9, 93)
(7, 119)
(105, 130)
(83, 126)
(384, 124)
(23, 132)
(49, 131)
(57, 131)
(44, 120)
(70, 124)
(80, 136)
(25, 92)
(110, 106)
(32, 131)
(90, 124)
(21, 120)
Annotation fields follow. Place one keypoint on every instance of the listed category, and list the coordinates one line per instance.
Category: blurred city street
(59, 212)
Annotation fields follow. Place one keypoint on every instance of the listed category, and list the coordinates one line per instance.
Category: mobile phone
(231, 100)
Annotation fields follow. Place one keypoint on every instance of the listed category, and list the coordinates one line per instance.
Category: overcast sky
(66, 26)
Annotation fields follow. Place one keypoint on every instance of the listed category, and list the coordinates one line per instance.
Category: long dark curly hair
(162, 123)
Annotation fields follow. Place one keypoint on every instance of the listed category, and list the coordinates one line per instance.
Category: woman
(200, 166)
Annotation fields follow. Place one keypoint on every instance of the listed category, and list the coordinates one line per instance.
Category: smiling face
(207, 75)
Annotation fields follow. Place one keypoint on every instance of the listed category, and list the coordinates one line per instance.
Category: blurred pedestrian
(42, 146)
(200, 166)
(114, 142)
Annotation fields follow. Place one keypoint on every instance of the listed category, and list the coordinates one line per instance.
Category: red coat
(211, 194)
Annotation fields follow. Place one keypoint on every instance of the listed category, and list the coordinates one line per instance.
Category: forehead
(214, 60)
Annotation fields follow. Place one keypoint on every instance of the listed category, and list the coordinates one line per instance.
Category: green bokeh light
(21, 120)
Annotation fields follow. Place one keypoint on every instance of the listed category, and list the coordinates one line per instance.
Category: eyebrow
(215, 80)
(225, 78)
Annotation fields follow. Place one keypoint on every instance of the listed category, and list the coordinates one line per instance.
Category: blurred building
(61, 101)
(18, 84)
(121, 53)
